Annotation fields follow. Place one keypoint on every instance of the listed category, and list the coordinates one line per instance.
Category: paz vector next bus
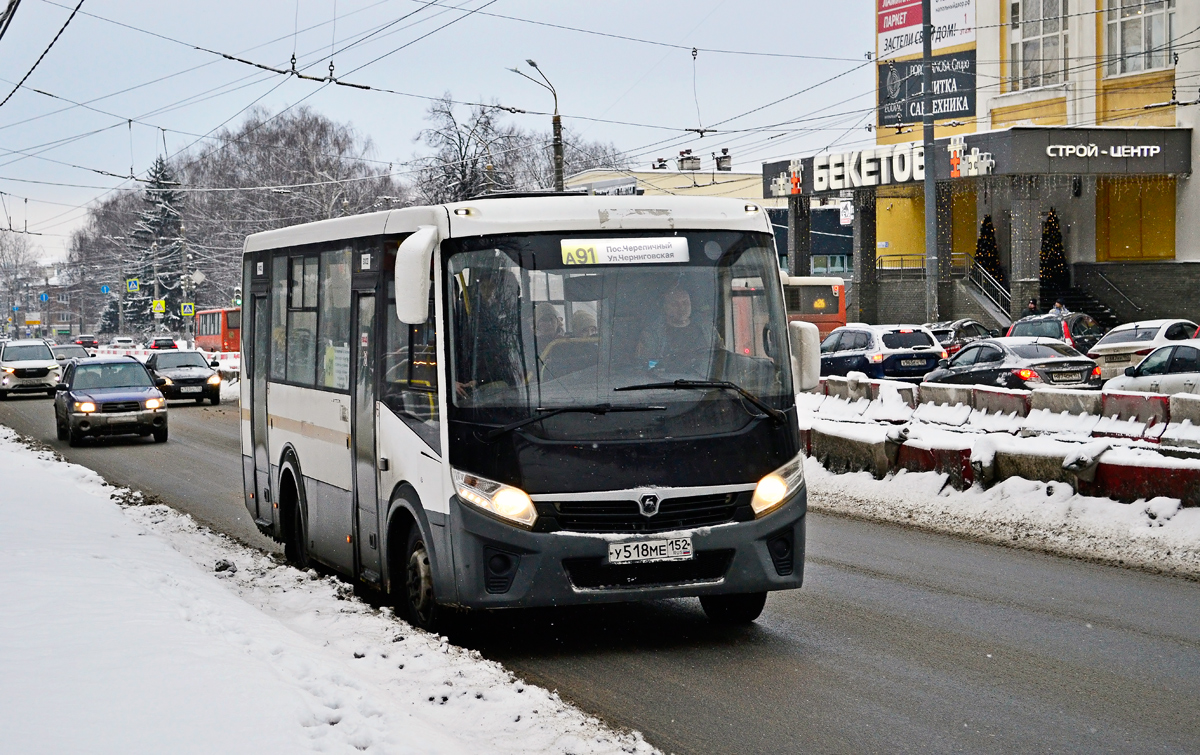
(529, 401)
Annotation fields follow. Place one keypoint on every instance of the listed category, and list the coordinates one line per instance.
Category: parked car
(1076, 329)
(161, 342)
(955, 334)
(1020, 363)
(27, 367)
(1174, 368)
(109, 396)
(1127, 345)
(188, 375)
(122, 342)
(87, 341)
(896, 352)
(69, 351)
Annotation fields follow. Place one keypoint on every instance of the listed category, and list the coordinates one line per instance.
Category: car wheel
(733, 609)
(215, 399)
(417, 602)
(160, 435)
(74, 438)
(3, 395)
(51, 393)
(63, 431)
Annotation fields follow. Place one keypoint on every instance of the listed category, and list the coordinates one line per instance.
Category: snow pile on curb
(132, 628)
(1157, 535)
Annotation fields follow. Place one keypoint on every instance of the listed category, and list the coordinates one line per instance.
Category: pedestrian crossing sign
(158, 306)
(187, 309)
(132, 285)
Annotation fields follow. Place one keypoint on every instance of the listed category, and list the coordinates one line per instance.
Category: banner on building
(898, 26)
(901, 86)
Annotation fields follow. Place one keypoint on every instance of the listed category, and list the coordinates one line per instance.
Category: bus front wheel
(420, 607)
(733, 609)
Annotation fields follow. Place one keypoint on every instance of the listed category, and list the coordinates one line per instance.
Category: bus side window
(410, 384)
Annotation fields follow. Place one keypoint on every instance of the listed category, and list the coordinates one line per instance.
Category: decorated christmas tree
(987, 251)
(1054, 275)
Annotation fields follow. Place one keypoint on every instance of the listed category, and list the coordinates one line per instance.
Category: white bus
(529, 401)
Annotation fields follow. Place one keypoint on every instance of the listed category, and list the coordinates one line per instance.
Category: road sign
(187, 309)
(133, 285)
(16, 308)
(105, 289)
(43, 296)
(158, 306)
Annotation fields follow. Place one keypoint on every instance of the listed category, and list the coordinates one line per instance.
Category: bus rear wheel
(418, 604)
(733, 609)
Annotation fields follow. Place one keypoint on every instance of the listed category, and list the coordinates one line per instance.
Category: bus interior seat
(567, 355)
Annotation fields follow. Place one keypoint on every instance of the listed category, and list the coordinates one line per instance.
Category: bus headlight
(214, 379)
(510, 504)
(778, 486)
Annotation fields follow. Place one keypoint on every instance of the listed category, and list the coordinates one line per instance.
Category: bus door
(363, 432)
(258, 399)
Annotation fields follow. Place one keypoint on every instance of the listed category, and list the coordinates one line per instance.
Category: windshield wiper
(770, 411)
(543, 413)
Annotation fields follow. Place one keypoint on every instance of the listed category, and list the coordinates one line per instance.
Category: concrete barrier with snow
(1059, 400)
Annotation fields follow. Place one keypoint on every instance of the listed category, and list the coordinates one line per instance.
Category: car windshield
(543, 321)
(1044, 351)
(27, 352)
(911, 339)
(180, 359)
(1129, 335)
(1038, 329)
(70, 352)
(113, 375)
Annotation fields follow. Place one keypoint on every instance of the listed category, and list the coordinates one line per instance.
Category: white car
(1127, 345)
(1168, 369)
(27, 367)
(123, 342)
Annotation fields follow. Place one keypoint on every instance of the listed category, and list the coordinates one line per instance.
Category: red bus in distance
(219, 329)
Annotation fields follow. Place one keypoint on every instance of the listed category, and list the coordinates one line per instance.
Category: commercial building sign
(899, 26)
(902, 89)
(838, 171)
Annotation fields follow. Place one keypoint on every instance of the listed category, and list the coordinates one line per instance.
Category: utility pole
(154, 257)
(556, 122)
(931, 221)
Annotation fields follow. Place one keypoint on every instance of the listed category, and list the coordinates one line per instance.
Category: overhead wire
(41, 57)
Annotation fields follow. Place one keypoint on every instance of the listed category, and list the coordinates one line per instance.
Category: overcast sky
(109, 58)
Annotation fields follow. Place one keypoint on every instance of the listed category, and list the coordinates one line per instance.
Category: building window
(64, 298)
(64, 317)
(1039, 51)
(1140, 35)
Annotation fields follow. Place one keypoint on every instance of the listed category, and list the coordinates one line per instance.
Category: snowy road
(899, 640)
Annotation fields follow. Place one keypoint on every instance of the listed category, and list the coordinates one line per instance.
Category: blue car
(894, 352)
(109, 396)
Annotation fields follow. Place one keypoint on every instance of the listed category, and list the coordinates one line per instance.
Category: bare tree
(18, 270)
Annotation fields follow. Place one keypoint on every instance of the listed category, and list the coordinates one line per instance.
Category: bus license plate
(646, 551)
(912, 362)
(191, 389)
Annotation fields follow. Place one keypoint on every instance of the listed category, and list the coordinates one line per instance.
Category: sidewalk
(117, 635)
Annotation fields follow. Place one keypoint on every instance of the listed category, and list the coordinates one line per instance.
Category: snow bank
(133, 629)
(1156, 535)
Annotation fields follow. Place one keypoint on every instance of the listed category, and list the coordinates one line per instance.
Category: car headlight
(510, 504)
(169, 381)
(215, 379)
(9, 370)
(154, 403)
(85, 406)
(778, 486)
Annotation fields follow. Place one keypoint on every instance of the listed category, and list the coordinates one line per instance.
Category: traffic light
(237, 296)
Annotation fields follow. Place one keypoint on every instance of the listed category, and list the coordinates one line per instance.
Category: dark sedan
(1021, 363)
(108, 396)
(188, 375)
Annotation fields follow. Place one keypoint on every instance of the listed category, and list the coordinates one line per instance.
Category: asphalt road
(899, 640)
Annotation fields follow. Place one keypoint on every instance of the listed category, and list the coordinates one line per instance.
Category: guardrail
(962, 265)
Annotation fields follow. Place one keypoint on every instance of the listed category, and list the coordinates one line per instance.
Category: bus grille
(120, 406)
(593, 573)
(625, 516)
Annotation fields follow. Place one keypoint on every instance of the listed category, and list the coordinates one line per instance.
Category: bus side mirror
(412, 275)
(805, 342)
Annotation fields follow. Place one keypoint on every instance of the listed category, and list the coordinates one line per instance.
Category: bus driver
(675, 339)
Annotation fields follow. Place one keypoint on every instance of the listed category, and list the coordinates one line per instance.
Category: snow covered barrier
(1060, 411)
(1059, 400)
(850, 447)
(1130, 474)
(942, 393)
(928, 448)
(1000, 400)
(1132, 415)
(1184, 430)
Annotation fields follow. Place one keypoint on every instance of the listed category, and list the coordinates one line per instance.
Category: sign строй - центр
(1094, 150)
(898, 26)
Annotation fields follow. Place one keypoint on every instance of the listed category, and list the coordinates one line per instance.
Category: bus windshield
(551, 321)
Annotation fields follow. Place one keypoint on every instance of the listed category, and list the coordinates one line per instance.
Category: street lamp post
(557, 121)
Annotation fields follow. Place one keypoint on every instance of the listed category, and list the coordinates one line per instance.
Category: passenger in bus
(583, 325)
(548, 325)
(488, 334)
(675, 340)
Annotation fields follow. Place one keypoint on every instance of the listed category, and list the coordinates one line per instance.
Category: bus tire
(295, 543)
(417, 602)
(733, 609)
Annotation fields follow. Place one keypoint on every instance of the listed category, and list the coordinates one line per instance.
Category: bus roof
(496, 215)
(812, 280)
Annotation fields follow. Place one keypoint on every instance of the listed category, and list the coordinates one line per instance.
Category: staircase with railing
(962, 265)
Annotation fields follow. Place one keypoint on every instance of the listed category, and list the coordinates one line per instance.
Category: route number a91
(583, 255)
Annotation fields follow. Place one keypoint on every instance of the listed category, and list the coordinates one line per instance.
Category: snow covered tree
(157, 237)
(1054, 274)
(987, 251)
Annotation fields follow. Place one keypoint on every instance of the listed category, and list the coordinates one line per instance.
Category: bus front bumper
(498, 565)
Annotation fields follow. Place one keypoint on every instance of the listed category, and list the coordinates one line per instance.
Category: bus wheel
(295, 544)
(419, 606)
(733, 609)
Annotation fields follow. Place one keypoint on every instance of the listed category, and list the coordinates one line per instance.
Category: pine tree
(987, 251)
(159, 254)
(1054, 274)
